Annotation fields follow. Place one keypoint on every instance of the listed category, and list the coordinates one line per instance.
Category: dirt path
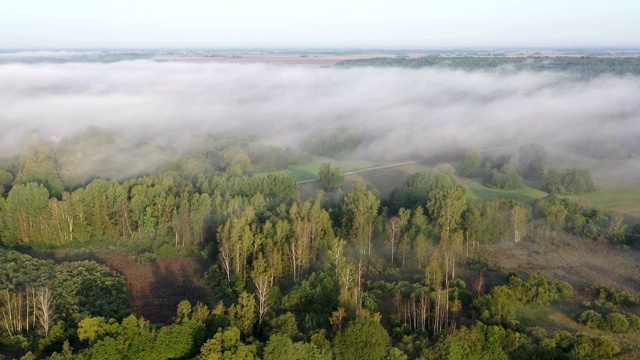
(373, 168)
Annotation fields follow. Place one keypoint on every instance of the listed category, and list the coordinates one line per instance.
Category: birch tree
(261, 276)
(362, 208)
(518, 222)
(394, 229)
(44, 306)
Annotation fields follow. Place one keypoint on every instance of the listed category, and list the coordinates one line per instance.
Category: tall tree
(394, 229)
(44, 307)
(200, 209)
(245, 313)
(39, 165)
(182, 221)
(471, 164)
(235, 241)
(519, 222)
(330, 178)
(26, 211)
(226, 344)
(417, 190)
(310, 227)
(262, 276)
(446, 208)
(363, 338)
(275, 252)
(532, 158)
(362, 209)
(107, 208)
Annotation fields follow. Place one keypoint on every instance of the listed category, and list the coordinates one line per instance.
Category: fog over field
(402, 111)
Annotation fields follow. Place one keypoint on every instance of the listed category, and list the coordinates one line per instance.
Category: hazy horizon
(330, 24)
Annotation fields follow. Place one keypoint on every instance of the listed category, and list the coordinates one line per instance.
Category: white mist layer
(404, 111)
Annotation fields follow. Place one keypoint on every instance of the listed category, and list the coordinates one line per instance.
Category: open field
(617, 183)
(383, 178)
(299, 59)
(607, 174)
(476, 191)
(622, 201)
(309, 170)
(387, 179)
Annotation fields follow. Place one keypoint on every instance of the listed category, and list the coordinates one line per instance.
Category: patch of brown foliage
(156, 289)
(580, 262)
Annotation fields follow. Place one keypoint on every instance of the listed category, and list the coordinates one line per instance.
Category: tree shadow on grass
(172, 281)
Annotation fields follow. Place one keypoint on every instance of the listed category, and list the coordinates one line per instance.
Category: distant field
(618, 182)
(310, 170)
(475, 190)
(301, 59)
(607, 174)
(386, 180)
(623, 201)
(383, 180)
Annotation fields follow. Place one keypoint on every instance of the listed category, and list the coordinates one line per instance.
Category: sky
(74, 24)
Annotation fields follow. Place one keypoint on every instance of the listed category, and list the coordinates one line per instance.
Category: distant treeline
(584, 65)
(335, 142)
(80, 57)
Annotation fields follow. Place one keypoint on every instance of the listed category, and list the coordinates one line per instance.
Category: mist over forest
(185, 207)
(400, 112)
(337, 180)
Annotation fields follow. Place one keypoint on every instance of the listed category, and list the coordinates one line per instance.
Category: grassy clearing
(310, 170)
(552, 318)
(475, 190)
(561, 317)
(615, 196)
(386, 180)
(609, 198)
(623, 201)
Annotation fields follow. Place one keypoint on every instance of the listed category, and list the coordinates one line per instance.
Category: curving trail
(373, 168)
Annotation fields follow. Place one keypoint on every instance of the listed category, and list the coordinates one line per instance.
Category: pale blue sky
(326, 23)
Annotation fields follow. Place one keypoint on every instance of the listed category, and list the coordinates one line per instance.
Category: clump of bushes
(606, 299)
(147, 258)
(605, 296)
(506, 181)
(499, 306)
(568, 181)
(613, 322)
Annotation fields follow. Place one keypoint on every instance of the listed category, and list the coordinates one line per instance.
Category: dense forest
(344, 274)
